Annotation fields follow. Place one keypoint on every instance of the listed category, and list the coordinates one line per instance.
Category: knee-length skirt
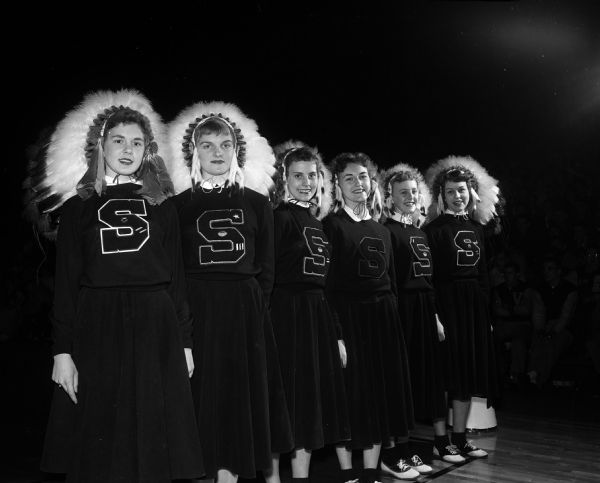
(311, 367)
(417, 313)
(377, 375)
(237, 387)
(469, 345)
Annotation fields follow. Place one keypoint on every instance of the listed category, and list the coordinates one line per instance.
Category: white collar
(303, 204)
(402, 218)
(352, 215)
(119, 179)
(454, 213)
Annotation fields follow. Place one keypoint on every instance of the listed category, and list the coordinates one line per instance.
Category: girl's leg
(300, 463)
(439, 427)
(459, 438)
(272, 476)
(371, 456)
(370, 463)
(226, 476)
(344, 455)
(441, 443)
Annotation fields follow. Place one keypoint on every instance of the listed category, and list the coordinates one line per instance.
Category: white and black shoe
(416, 463)
(449, 453)
(401, 470)
(469, 449)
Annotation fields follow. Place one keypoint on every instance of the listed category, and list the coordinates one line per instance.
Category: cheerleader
(218, 162)
(311, 351)
(361, 286)
(464, 200)
(405, 195)
(122, 409)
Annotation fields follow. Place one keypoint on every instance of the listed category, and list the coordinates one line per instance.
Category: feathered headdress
(321, 202)
(483, 189)
(71, 161)
(374, 204)
(402, 172)
(253, 164)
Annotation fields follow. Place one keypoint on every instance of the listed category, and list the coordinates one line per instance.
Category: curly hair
(455, 174)
(339, 164)
(287, 154)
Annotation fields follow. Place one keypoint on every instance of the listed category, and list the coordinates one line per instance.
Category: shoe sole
(398, 476)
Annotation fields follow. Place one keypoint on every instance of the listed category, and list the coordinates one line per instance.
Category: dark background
(515, 84)
(511, 83)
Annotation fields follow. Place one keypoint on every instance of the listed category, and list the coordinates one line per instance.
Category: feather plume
(258, 159)
(487, 187)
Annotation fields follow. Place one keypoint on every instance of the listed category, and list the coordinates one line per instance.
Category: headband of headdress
(483, 189)
(398, 173)
(321, 202)
(374, 204)
(253, 161)
(72, 162)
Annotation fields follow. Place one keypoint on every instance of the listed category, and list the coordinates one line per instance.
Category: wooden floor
(550, 435)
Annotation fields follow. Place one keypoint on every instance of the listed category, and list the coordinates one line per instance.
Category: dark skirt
(377, 375)
(237, 387)
(417, 313)
(311, 367)
(134, 421)
(469, 345)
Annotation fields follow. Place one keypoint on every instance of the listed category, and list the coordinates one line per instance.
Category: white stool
(480, 418)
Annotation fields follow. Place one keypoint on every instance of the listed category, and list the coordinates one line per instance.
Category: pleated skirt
(377, 375)
(311, 367)
(238, 392)
(425, 358)
(469, 359)
(134, 421)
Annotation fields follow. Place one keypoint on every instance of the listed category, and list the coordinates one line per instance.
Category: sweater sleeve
(482, 269)
(69, 267)
(265, 251)
(329, 231)
(177, 286)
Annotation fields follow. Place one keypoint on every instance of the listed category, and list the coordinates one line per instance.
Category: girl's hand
(189, 359)
(440, 329)
(343, 355)
(64, 373)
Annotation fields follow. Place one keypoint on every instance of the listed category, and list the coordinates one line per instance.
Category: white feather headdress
(322, 199)
(255, 155)
(54, 176)
(424, 192)
(483, 202)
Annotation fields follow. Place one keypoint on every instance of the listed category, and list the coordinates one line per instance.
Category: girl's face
(355, 183)
(456, 196)
(405, 195)
(123, 150)
(215, 152)
(302, 180)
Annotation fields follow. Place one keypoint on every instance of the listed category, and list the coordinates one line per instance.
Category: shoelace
(470, 446)
(403, 466)
(416, 461)
(452, 449)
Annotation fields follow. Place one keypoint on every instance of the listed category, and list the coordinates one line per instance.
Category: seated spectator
(512, 310)
(551, 335)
